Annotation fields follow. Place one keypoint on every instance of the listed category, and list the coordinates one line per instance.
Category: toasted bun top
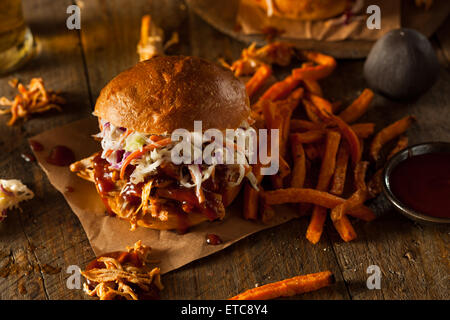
(162, 94)
(305, 9)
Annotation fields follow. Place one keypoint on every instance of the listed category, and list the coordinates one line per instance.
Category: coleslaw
(119, 143)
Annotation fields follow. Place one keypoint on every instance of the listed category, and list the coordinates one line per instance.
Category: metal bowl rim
(392, 163)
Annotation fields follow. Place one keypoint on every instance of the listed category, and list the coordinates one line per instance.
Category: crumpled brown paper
(252, 19)
(107, 234)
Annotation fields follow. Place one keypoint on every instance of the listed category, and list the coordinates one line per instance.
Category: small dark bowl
(418, 149)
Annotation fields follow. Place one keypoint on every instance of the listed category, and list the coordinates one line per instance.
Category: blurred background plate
(221, 14)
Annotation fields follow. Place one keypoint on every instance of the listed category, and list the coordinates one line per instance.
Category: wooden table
(413, 258)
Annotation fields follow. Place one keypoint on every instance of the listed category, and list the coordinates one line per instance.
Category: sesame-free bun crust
(306, 9)
(165, 93)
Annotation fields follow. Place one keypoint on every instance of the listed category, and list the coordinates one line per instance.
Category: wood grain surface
(413, 258)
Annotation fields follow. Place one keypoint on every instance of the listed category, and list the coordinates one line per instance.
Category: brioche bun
(304, 9)
(165, 93)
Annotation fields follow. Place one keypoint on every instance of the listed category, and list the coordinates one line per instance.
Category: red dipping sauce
(422, 183)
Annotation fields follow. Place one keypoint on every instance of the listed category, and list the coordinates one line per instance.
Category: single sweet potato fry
(389, 133)
(299, 163)
(345, 229)
(325, 66)
(358, 107)
(338, 182)
(320, 198)
(363, 130)
(281, 89)
(258, 79)
(299, 125)
(313, 87)
(288, 287)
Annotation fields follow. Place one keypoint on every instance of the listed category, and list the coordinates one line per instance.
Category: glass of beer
(16, 40)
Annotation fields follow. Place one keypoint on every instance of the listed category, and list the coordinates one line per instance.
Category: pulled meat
(31, 99)
(123, 275)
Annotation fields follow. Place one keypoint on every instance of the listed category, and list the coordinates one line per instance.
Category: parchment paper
(107, 234)
(252, 19)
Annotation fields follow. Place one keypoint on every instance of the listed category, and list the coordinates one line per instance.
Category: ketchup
(61, 156)
(36, 146)
(422, 183)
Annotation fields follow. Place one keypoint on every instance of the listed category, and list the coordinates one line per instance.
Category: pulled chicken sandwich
(137, 111)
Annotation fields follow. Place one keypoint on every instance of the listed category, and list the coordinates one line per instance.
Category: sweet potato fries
(325, 138)
(288, 287)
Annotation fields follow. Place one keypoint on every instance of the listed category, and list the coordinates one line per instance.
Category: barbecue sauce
(103, 180)
(61, 156)
(132, 193)
(422, 183)
(36, 146)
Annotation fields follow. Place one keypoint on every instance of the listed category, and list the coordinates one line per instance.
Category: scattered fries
(389, 133)
(288, 287)
(325, 137)
(31, 99)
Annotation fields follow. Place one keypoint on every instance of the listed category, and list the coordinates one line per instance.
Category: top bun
(165, 93)
(305, 9)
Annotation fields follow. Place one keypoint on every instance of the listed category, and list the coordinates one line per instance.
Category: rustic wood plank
(46, 232)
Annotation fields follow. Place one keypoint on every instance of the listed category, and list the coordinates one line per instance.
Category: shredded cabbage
(135, 141)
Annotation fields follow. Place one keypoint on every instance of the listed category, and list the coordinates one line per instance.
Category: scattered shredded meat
(123, 275)
(31, 99)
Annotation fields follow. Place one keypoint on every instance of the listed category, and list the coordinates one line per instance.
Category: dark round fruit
(402, 65)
